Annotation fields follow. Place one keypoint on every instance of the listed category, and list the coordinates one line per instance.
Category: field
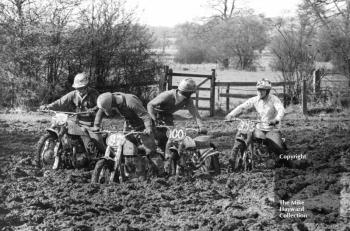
(332, 84)
(31, 199)
(226, 75)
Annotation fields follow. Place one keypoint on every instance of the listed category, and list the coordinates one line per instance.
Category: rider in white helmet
(162, 107)
(82, 99)
(271, 111)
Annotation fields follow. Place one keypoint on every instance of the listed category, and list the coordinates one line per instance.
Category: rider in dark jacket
(82, 99)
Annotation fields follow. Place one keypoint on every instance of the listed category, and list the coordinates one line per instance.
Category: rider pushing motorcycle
(82, 99)
(271, 112)
(136, 116)
(162, 107)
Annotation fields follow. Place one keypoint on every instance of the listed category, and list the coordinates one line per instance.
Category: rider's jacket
(73, 101)
(168, 102)
(130, 107)
(269, 108)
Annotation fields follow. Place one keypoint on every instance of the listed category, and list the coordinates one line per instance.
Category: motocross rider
(136, 117)
(162, 107)
(82, 99)
(271, 112)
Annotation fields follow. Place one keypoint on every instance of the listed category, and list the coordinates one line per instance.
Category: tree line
(45, 43)
(235, 37)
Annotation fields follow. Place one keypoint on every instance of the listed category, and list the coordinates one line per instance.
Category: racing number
(177, 134)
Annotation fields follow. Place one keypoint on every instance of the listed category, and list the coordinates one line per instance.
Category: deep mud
(32, 199)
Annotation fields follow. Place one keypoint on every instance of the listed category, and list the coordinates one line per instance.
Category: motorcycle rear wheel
(212, 165)
(102, 172)
(49, 140)
(170, 164)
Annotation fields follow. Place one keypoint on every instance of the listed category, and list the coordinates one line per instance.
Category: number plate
(246, 126)
(176, 134)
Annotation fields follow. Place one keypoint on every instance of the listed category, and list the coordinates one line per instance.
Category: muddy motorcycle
(190, 153)
(62, 146)
(253, 152)
(123, 159)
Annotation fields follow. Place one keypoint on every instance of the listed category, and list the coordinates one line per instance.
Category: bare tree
(224, 8)
(291, 47)
(333, 19)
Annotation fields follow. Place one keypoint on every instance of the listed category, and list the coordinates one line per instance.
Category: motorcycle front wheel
(102, 172)
(45, 151)
(237, 154)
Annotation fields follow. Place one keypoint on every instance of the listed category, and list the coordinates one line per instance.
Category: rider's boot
(231, 166)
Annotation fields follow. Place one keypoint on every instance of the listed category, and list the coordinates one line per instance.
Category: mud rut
(32, 199)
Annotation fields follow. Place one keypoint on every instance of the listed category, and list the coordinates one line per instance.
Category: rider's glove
(43, 107)
(273, 122)
(92, 111)
(95, 129)
(203, 130)
(229, 117)
(147, 131)
(159, 122)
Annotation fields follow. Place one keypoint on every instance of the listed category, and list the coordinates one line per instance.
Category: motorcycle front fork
(56, 156)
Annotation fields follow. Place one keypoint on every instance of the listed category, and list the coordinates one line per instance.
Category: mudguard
(202, 142)
(52, 131)
(106, 158)
(129, 148)
(259, 135)
(188, 143)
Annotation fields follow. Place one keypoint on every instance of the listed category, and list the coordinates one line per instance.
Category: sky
(171, 12)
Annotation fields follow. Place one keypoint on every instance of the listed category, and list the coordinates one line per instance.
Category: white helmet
(187, 85)
(264, 84)
(80, 80)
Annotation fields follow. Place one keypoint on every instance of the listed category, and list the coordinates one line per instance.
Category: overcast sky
(172, 12)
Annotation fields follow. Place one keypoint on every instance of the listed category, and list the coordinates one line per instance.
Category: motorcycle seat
(202, 141)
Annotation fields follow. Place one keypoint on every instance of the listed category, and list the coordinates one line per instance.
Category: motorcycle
(63, 146)
(123, 159)
(253, 152)
(188, 155)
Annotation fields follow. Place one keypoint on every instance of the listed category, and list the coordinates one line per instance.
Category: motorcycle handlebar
(254, 121)
(133, 132)
(110, 131)
(170, 127)
(238, 119)
(164, 126)
(64, 112)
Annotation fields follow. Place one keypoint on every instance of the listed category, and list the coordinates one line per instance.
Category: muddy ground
(31, 199)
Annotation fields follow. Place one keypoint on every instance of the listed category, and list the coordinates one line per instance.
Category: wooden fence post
(284, 95)
(163, 82)
(163, 79)
(228, 98)
(212, 93)
(304, 97)
(170, 79)
(197, 95)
